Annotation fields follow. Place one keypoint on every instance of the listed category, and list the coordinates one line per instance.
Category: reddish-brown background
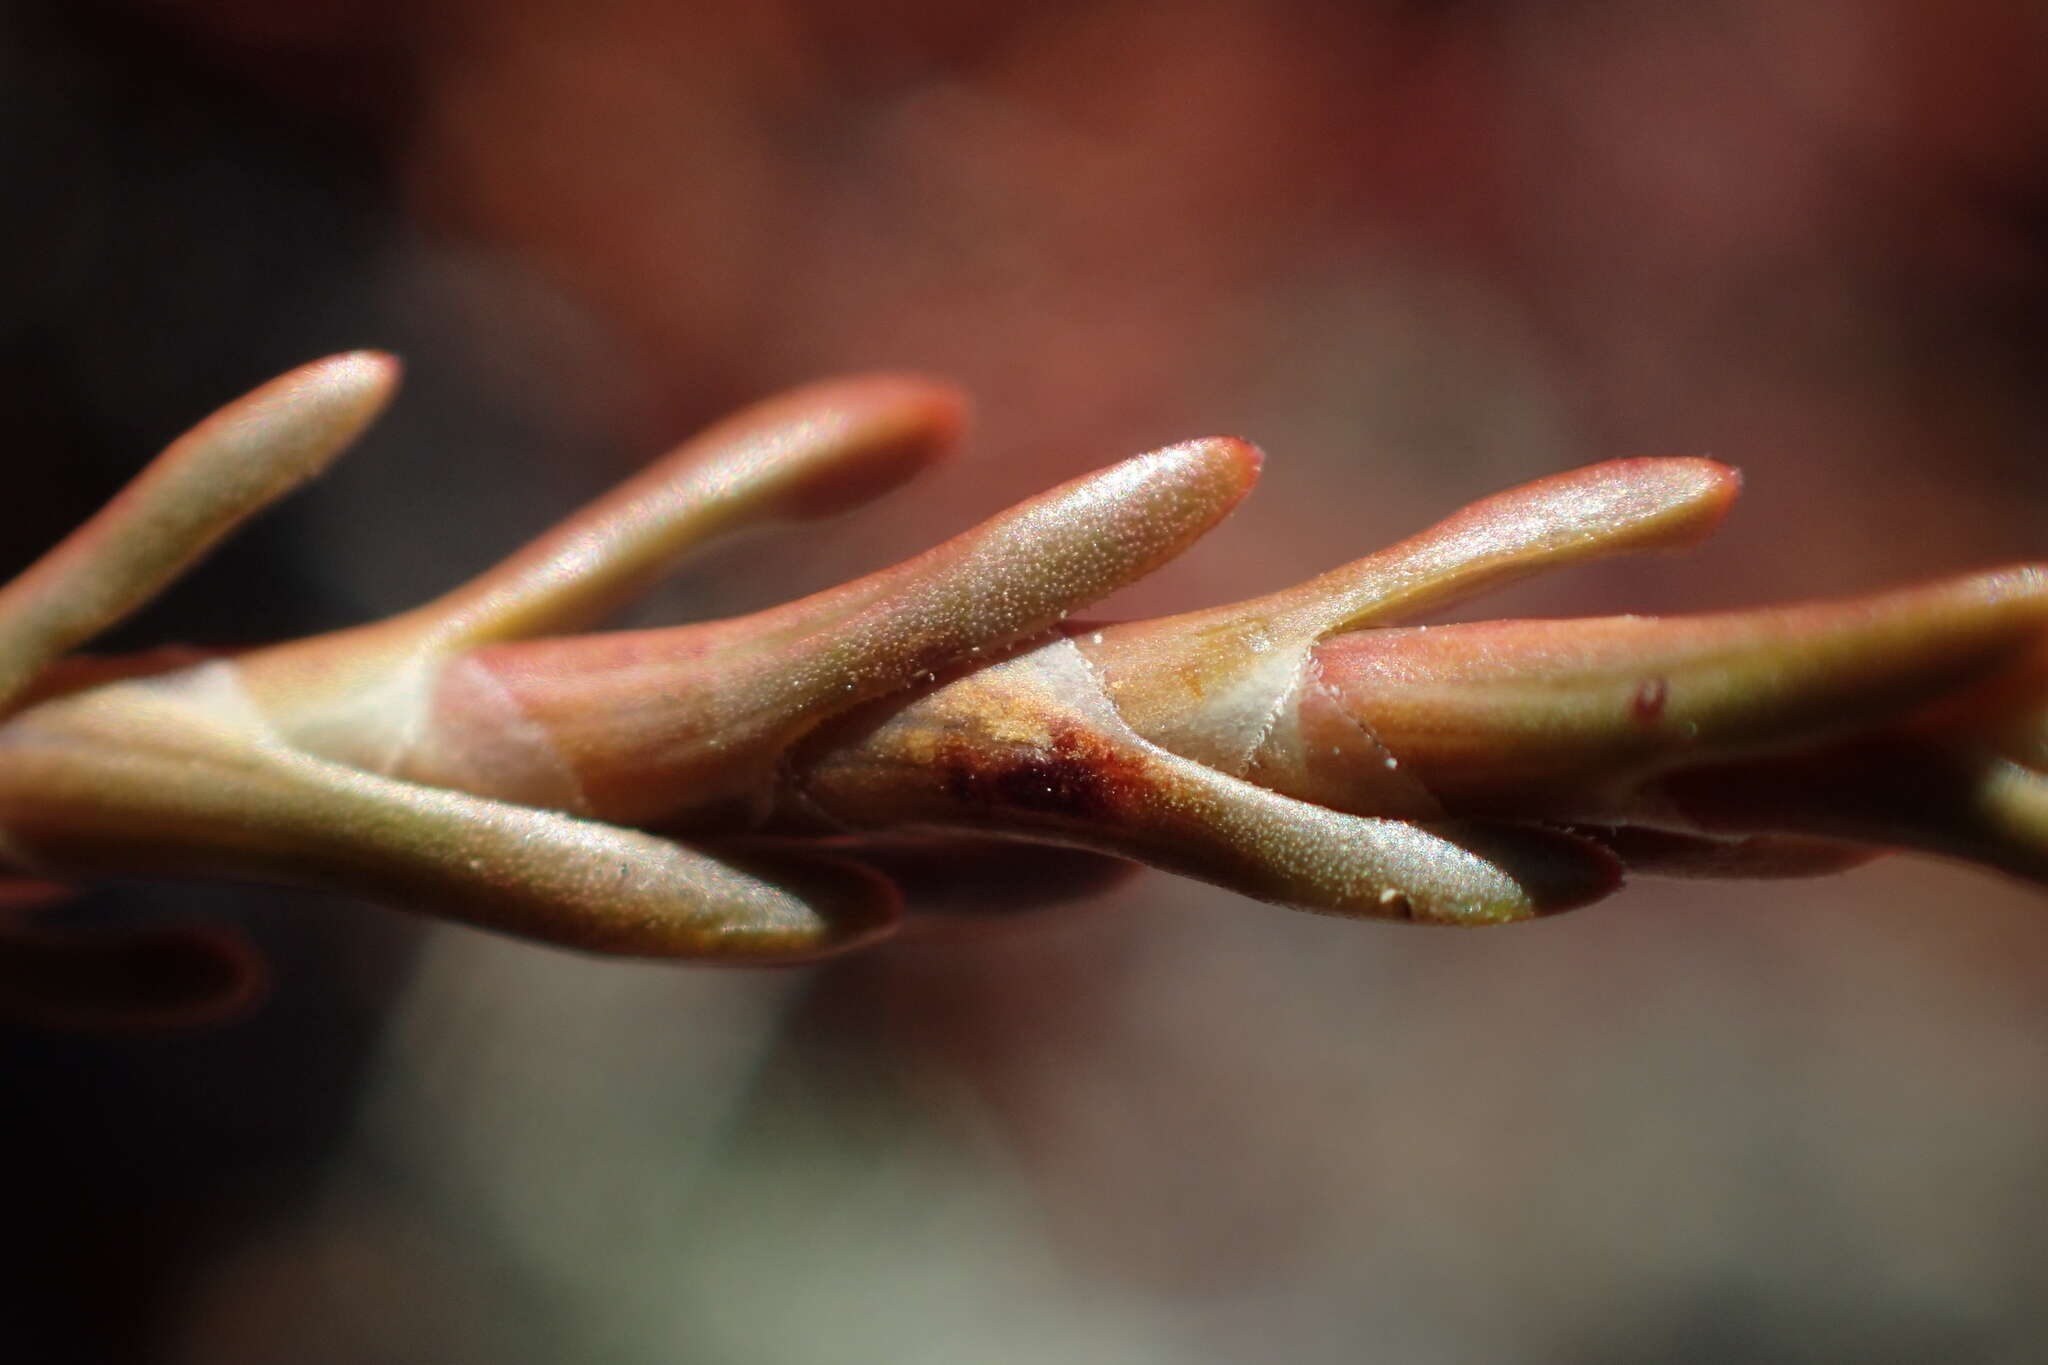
(1418, 251)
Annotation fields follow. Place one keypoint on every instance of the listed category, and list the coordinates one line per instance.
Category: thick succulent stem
(1298, 747)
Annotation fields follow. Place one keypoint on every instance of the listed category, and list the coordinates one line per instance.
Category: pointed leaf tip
(1619, 507)
(295, 424)
(206, 483)
(129, 982)
(846, 442)
(1232, 461)
(808, 453)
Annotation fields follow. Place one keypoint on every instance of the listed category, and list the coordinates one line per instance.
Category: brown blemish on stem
(1075, 774)
(1648, 702)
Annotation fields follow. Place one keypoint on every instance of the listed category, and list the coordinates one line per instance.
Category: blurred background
(1419, 251)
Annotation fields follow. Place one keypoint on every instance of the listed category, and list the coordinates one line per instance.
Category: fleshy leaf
(1033, 748)
(655, 723)
(180, 777)
(225, 470)
(811, 452)
(1567, 718)
(1209, 684)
